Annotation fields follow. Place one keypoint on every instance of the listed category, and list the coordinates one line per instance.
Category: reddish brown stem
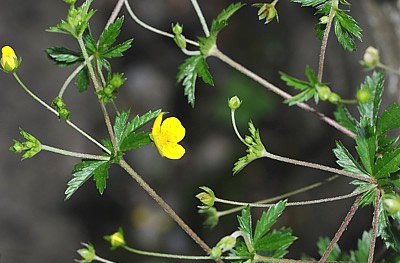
(341, 229)
(114, 13)
(374, 226)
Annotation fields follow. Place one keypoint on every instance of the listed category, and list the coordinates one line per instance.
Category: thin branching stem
(217, 53)
(114, 13)
(75, 154)
(341, 229)
(325, 40)
(374, 227)
(71, 77)
(389, 69)
(319, 167)
(44, 104)
(280, 197)
(201, 17)
(153, 29)
(259, 259)
(100, 259)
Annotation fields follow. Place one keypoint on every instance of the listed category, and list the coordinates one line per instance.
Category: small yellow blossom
(9, 60)
(167, 135)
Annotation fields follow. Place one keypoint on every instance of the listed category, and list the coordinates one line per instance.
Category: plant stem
(175, 256)
(259, 258)
(71, 77)
(201, 17)
(74, 154)
(97, 258)
(303, 203)
(164, 205)
(217, 53)
(153, 29)
(190, 52)
(319, 167)
(341, 229)
(374, 227)
(387, 68)
(344, 101)
(325, 40)
(236, 129)
(97, 88)
(114, 13)
(280, 197)
(56, 113)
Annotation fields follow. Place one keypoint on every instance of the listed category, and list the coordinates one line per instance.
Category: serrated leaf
(64, 57)
(387, 164)
(221, 20)
(101, 176)
(110, 34)
(293, 82)
(366, 145)
(312, 78)
(267, 220)
(312, 3)
(323, 244)
(135, 140)
(347, 161)
(368, 197)
(346, 29)
(386, 231)
(370, 109)
(362, 252)
(275, 241)
(138, 122)
(344, 37)
(301, 97)
(320, 30)
(389, 120)
(120, 125)
(245, 221)
(118, 50)
(344, 118)
(83, 80)
(82, 172)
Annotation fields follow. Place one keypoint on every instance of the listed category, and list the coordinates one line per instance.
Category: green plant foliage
(309, 89)
(188, 72)
(245, 222)
(344, 118)
(83, 171)
(389, 120)
(83, 80)
(347, 161)
(389, 233)
(64, 57)
(110, 34)
(346, 30)
(254, 151)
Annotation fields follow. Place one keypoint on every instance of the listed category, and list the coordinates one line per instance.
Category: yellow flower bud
(9, 60)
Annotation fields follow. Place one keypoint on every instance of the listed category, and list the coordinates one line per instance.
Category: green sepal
(61, 108)
(31, 146)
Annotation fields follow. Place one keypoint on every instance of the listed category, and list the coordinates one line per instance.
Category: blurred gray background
(36, 225)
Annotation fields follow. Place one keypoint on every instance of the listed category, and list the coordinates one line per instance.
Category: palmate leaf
(344, 118)
(118, 50)
(347, 161)
(82, 172)
(188, 72)
(64, 57)
(387, 164)
(110, 34)
(135, 140)
(276, 242)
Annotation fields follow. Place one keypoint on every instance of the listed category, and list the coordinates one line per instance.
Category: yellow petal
(156, 131)
(173, 130)
(8, 58)
(171, 150)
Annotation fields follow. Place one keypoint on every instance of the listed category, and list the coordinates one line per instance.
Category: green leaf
(386, 231)
(312, 3)
(138, 122)
(293, 82)
(362, 252)
(135, 140)
(110, 34)
(82, 172)
(368, 198)
(370, 109)
(120, 125)
(245, 221)
(222, 19)
(301, 97)
(267, 220)
(64, 57)
(323, 244)
(346, 29)
(366, 145)
(101, 176)
(312, 78)
(188, 72)
(389, 120)
(344, 118)
(347, 161)
(276, 240)
(118, 50)
(90, 43)
(387, 164)
(83, 80)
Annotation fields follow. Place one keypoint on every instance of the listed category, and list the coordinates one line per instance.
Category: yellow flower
(9, 60)
(167, 135)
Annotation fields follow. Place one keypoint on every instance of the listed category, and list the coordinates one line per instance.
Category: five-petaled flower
(9, 60)
(167, 135)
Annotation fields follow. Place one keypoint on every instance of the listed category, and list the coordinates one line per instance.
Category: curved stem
(341, 229)
(319, 167)
(201, 17)
(374, 226)
(56, 113)
(97, 258)
(325, 39)
(311, 202)
(279, 197)
(217, 53)
(71, 77)
(153, 29)
(190, 52)
(389, 69)
(236, 129)
(75, 154)
(114, 13)
(175, 256)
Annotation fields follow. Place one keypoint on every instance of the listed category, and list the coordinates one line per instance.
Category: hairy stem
(114, 13)
(164, 205)
(374, 227)
(201, 17)
(217, 53)
(259, 258)
(302, 203)
(153, 29)
(71, 77)
(74, 154)
(325, 40)
(280, 197)
(319, 167)
(90, 138)
(389, 69)
(341, 229)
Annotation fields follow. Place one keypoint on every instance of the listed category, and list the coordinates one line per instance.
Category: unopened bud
(234, 103)
(391, 203)
(207, 198)
(324, 20)
(177, 29)
(88, 253)
(226, 243)
(371, 58)
(363, 95)
(334, 98)
(117, 239)
(323, 92)
(216, 253)
(17, 147)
